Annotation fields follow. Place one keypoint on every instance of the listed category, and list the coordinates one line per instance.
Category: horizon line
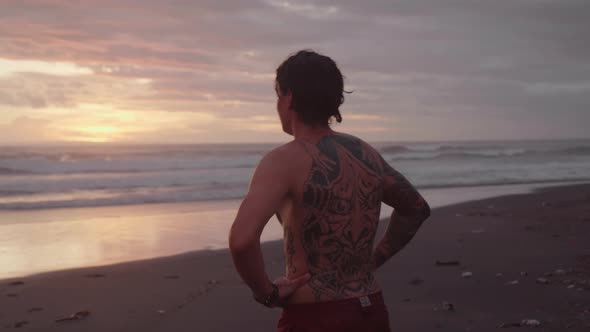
(83, 143)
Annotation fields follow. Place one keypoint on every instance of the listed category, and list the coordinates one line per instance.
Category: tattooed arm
(410, 211)
(268, 188)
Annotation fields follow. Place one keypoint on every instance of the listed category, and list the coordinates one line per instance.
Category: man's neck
(311, 134)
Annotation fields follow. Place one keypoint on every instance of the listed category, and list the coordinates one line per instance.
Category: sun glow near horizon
(98, 134)
(70, 102)
(97, 123)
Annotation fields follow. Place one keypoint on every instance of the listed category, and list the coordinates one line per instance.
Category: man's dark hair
(316, 84)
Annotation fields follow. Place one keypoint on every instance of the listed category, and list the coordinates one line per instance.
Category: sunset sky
(202, 71)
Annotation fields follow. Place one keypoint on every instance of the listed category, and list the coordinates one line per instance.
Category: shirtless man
(326, 189)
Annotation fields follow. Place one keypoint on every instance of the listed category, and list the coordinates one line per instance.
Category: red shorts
(367, 313)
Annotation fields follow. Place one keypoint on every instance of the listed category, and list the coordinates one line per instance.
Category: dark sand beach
(507, 243)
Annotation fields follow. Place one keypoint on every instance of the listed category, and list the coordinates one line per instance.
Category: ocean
(71, 206)
(112, 175)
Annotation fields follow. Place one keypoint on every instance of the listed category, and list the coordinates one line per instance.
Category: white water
(78, 176)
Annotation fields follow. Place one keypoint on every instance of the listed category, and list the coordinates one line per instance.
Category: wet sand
(524, 237)
(45, 240)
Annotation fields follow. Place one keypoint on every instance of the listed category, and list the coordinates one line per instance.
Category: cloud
(368, 117)
(25, 129)
(10, 67)
(305, 9)
(422, 61)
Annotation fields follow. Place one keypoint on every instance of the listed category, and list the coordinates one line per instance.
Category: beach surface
(35, 241)
(507, 243)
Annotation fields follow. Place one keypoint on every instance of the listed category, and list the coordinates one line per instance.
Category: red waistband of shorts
(375, 299)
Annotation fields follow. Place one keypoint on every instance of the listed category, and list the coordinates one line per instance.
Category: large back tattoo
(342, 201)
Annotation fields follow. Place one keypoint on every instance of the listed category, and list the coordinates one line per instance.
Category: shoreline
(537, 233)
(204, 202)
(64, 239)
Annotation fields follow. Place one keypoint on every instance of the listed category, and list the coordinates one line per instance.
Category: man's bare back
(330, 220)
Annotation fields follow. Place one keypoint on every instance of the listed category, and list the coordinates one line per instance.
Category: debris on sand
(447, 263)
(559, 272)
(543, 281)
(513, 282)
(530, 322)
(522, 323)
(75, 316)
(466, 274)
(161, 312)
(448, 306)
(524, 273)
(499, 274)
(95, 275)
(35, 309)
(416, 281)
(21, 323)
(507, 325)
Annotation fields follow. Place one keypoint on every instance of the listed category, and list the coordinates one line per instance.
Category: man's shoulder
(354, 141)
(285, 155)
(283, 150)
(280, 165)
